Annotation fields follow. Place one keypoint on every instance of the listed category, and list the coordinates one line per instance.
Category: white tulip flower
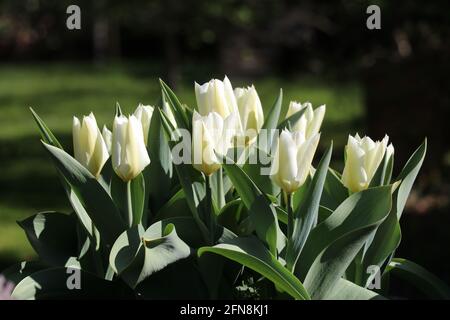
(216, 96)
(363, 156)
(89, 146)
(129, 155)
(310, 121)
(250, 112)
(292, 159)
(144, 115)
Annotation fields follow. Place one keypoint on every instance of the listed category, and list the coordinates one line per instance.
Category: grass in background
(28, 183)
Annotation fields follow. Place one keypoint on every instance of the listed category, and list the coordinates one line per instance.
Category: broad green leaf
(96, 200)
(270, 124)
(261, 211)
(252, 254)
(176, 206)
(383, 173)
(136, 254)
(21, 270)
(177, 109)
(54, 284)
(346, 290)
(329, 266)
(306, 216)
(53, 236)
(360, 210)
(334, 192)
(419, 277)
(253, 167)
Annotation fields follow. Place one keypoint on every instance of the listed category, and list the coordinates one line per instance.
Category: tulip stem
(209, 211)
(290, 225)
(129, 205)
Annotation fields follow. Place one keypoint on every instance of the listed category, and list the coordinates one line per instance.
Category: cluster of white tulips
(225, 118)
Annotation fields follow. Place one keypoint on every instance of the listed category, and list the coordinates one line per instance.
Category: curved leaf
(252, 254)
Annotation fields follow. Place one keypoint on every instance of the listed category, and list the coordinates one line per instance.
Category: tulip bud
(250, 112)
(211, 134)
(144, 115)
(310, 121)
(216, 96)
(292, 160)
(129, 155)
(89, 146)
(363, 156)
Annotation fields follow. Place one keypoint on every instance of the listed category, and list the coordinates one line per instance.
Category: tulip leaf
(387, 238)
(383, 173)
(262, 212)
(53, 236)
(97, 202)
(419, 277)
(46, 133)
(176, 206)
(68, 283)
(408, 176)
(334, 192)
(177, 109)
(218, 190)
(360, 210)
(306, 216)
(252, 254)
(21, 270)
(160, 168)
(291, 120)
(329, 266)
(270, 123)
(347, 290)
(136, 254)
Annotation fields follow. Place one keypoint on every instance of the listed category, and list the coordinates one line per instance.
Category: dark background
(319, 50)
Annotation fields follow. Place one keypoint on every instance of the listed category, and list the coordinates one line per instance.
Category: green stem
(290, 225)
(209, 211)
(129, 205)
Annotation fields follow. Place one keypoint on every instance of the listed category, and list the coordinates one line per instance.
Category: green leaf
(306, 216)
(262, 212)
(408, 176)
(292, 120)
(21, 270)
(419, 277)
(53, 284)
(96, 200)
(334, 192)
(346, 290)
(253, 167)
(176, 106)
(329, 266)
(160, 168)
(270, 123)
(46, 133)
(137, 197)
(360, 210)
(218, 190)
(383, 173)
(53, 236)
(251, 253)
(137, 254)
(176, 206)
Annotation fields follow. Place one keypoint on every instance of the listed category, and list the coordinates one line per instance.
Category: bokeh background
(395, 80)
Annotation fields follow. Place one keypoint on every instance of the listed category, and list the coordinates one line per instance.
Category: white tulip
(250, 112)
(216, 96)
(129, 155)
(144, 115)
(292, 160)
(363, 156)
(89, 146)
(211, 134)
(310, 121)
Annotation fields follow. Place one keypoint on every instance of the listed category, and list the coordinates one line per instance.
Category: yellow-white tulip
(250, 112)
(216, 96)
(129, 155)
(144, 115)
(292, 159)
(363, 156)
(89, 146)
(211, 134)
(310, 121)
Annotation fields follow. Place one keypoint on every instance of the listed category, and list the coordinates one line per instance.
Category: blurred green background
(394, 80)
